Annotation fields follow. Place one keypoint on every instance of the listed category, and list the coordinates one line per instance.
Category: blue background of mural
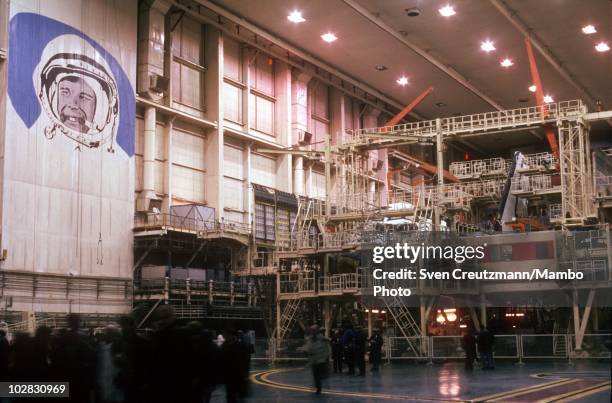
(29, 34)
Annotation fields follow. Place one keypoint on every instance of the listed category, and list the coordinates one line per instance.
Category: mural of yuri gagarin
(80, 99)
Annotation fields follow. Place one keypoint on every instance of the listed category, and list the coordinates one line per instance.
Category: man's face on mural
(76, 103)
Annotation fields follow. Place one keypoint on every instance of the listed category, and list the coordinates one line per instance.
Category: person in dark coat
(375, 348)
(4, 356)
(235, 358)
(469, 346)
(360, 350)
(74, 360)
(209, 356)
(169, 376)
(132, 354)
(336, 347)
(486, 341)
(348, 348)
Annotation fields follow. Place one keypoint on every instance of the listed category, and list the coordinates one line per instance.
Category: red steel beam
(421, 164)
(539, 93)
(396, 119)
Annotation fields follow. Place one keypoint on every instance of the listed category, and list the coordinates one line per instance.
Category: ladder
(287, 316)
(404, 320)
(423, 216)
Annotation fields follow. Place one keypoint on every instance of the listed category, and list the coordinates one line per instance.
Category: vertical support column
(337, 101)
(249, 197)
(148, 175)
(328, 184)
(440, 166)
(422, 316)
(327, 316)
(576, 316)
(483, 311)
(299, 123)
(580, 325)
(370, 120)
(283, 127)
(278, 306)
(369, 323)
(167, 202)
(298, 175)
(214, 111)
(609, 249)
(247, 60)
(151, 36)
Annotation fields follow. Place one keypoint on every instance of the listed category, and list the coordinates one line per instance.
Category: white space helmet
(78, 93)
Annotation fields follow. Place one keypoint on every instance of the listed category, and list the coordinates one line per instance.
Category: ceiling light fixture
(296, 17)
(440, 104)
(403, 80)
(588, 30)
(487, 46)
(413, 12)
(447, 11)
(506, 62)
(533, 88)
(602, 47)
(381, 67)
(329, 37)
(548, 99)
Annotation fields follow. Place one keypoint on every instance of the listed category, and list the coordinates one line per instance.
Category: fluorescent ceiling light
(588, 30)
(329, 37)
(548, 99)
(403, 80)
(602, 47)
(296, 17)
(533, 88)
(487, 46)
(506, 62)
(447, 11)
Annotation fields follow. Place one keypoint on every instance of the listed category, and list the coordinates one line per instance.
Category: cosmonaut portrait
(66, 86)
(78, 95)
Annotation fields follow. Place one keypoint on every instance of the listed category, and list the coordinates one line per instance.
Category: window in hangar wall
(233, 81)
(262, 94)
(188, 166)
(318, 104)
(188, 66)
(275, 214)
(263, 170)
(233, 178)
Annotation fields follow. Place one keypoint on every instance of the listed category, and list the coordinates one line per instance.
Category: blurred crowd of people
(173, 363)
(485, 342)
(348, 347)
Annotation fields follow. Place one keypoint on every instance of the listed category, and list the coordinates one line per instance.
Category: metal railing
(153, 221)
(536, 183)
(539, 162)
(229, 291)
(478, 168)
(473, 124)
(517, 347)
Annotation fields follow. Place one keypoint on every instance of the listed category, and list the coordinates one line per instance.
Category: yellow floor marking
(575, 392)
(262, 378)
(522, 390)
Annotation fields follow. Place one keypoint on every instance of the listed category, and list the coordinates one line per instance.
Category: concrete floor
(399, 382)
